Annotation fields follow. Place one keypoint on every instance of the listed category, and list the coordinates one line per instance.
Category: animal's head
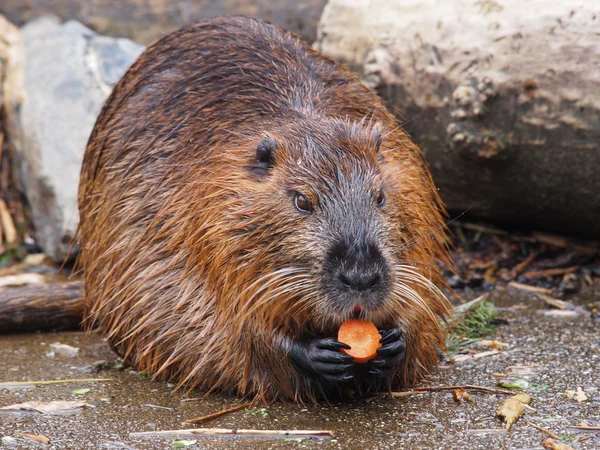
(338, 219)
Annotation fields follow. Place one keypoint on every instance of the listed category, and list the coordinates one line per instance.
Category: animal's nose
(358, 267)
(360, 278)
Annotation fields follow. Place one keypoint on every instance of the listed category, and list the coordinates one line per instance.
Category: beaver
(241, 196)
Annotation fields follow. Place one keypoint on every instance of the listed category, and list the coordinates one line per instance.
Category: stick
(219, 413)
(407, 393)
(562, 242)
(451, 388)
(560, 304)
(526, 287)
(27, 383)
(8, 226)
(550, 272)
(234, 432)
(585, 428)
(543, 430)
(520, 268)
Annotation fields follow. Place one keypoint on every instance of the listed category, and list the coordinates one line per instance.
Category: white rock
(58, 77)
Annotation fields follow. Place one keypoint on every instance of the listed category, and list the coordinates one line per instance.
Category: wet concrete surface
(563, 352)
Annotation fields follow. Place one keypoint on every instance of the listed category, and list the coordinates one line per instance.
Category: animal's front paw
(322, 357)
(391, 352)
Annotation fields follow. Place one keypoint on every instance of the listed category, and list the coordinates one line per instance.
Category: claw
(331, 344)
(322, 358)
(331, 357)
(391, 348)
(389, 354)
(338, 378)
(388, 336)
(380, 372)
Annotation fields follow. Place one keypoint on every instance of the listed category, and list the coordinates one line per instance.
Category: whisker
(423, 236)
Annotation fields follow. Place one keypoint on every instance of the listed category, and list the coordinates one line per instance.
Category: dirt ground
(559, 352)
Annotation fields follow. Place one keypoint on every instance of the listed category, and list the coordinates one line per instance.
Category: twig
(35, 437)
(526, 287)
(585, 428)
(219, 413)
(234, 432)
(560, 304)
(27, 383)
(520, 268)
(550, 272)
(150, 405)
(562, 242)
(407, 393)
(543, 430)
(8, 226)
(451, 388)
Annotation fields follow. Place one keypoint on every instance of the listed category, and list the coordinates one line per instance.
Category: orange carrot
(362, 337)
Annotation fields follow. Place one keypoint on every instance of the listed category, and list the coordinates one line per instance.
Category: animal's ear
(265, 155)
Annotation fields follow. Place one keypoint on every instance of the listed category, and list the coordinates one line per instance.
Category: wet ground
(562, 352)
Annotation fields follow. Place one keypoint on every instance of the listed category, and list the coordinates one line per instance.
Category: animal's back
(231, 74)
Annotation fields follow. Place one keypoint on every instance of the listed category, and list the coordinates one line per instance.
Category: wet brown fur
(177, 233)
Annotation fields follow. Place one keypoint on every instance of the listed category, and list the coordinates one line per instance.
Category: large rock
(58, 77)
(503, 97)
(145, 21)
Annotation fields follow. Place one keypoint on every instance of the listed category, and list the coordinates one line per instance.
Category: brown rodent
(240, 197)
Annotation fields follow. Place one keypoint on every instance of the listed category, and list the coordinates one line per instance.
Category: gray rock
(503, 99)
(58, 79)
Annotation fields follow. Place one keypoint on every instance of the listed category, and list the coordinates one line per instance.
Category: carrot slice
(362, 337)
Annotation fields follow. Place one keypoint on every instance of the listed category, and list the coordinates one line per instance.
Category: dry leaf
(513, 382)
(460, 358)
(64, 349)
(45, 407)
(36, 437)
(578, 395)
(461, 394)
(513, 408)
(522, 370)
(35, 259)
(22, 279)
(553, 445)
(562, 313)
(8, 441)
(493, 344)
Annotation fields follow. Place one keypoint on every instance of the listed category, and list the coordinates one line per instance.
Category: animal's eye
(302, 204)
(380, 198)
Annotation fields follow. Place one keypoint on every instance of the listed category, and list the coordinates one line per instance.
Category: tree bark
(147, 20)
(56, 306)
(503, 98)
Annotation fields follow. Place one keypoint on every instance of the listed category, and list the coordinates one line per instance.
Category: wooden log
(503, 98)
(57, 306)
(145, 21)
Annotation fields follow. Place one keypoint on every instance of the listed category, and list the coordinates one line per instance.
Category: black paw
(390, 353)
(322, 357)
